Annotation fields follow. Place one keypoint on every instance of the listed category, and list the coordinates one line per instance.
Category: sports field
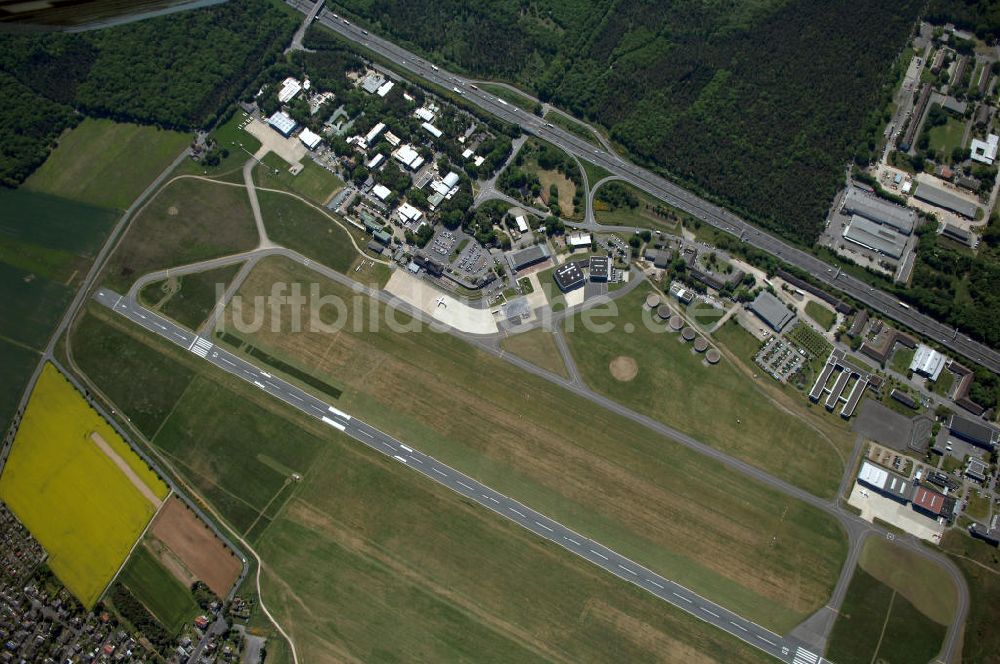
(71, 495)
(163, 595)
(187, 221)
(672, 509)
(719, 405)
(366, 561)
(107, 163)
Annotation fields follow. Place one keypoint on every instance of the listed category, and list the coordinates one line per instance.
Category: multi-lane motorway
(664, 189)
(785, 649)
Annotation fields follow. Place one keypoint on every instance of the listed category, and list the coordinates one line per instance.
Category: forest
(176, 71)
(759, 104)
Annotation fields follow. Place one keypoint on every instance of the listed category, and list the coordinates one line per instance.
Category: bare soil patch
(196, 546)
(624, 368)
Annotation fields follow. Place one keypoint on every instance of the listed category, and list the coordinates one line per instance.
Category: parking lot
(779, 358)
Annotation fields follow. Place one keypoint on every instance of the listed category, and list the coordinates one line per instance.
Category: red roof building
(928, 501)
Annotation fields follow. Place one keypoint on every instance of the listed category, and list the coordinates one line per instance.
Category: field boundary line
(888, 614)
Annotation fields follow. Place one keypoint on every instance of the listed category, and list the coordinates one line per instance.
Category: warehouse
(946, 200)
(876, 237)
(523, 258)
(568, 277)
(282, 123)
(887, 483)
(973, 432)
(927, 362)
(310, 139)
(928, 502)
(858, 203)
(772, 311)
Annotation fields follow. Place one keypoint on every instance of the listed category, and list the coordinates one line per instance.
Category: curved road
(667, 191)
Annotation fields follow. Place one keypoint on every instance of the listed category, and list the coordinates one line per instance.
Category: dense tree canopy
(760, 103)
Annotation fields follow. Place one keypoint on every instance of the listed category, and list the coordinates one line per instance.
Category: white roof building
(408, 157)
(927, 362)
(431, 129)
(310, 139)
(409, 214)
(381, 191)
(289, 88)
(373, 134)
(578, 240)
(425, 114)
(375, 161)
(446, 184)
(283, 123)
(522, 223)
(383, 89)
(478, 161)
(985, 151)
(468, 153)
(392, 138)
(371, 83)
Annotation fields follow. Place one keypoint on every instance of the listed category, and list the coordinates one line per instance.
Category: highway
(665, 190)
(783, 648)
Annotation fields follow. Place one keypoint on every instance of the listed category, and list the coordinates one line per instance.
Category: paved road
(667, 191)
(785, 649)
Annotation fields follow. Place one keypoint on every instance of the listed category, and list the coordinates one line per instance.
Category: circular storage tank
(652, 301)
(688, 333)
(663, 312)
(676, 323)
(713, 356)
(700, 344)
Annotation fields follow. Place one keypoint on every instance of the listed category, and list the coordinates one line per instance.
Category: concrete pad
(289, 149)
(873, 505)
(453, 312)
(575, 297)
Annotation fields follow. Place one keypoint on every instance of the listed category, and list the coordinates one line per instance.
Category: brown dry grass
(623, 368)
(197, 547)
(760, 553)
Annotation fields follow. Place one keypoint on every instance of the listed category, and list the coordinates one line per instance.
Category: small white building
(309, 139)
(478, 161)
(289, 88)
(431, 129)
(374, 132)
(383, 89)
(522, 223)
(409, 214)
(468, 153)
(445, 185)
(408, 157)
(927, 362)
(425, 114)
(381, 191)
(375, 161)
(985, 151)
(392, 138)
(576, 240)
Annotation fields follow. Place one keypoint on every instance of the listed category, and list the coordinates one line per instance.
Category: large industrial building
(947, 200)
(282, 123)
(899, 218)
(527, 257)
(887, 483)
(878, 238)
(973, 432)
(772, 311)
(927, 362)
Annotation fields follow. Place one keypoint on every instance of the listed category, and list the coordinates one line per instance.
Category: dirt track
(125, 468)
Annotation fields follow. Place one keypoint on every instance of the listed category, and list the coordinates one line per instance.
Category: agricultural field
(190, 298)
(77, 486)
(162, 594)
(727, 552)
(312, 233)
(314, 182)
(369, 560)
(539, 348)
(719, 405)
(106, 163)
(897, 608)
(187, 221)
(821, 315)
(46, 246)
(809, 339)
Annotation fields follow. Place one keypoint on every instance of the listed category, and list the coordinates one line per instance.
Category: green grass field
(901, 359)
(292, 223)
(718, 405)
(538, 347)
(643, 216)
(195, 298)
(944, 138)
(72, 497)
(923, 582)
(878, 624)
(821, 315)
(533, 441)
(107, 163)
(313, 182)
(163, 595)
(944, 383)
(980, 565)
(369, 560)
(187, 221)
(594, 172)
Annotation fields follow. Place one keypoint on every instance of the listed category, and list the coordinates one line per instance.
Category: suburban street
(783, 648)
(667, 191)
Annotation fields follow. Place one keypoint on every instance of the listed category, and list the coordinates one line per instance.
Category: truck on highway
(904, 304)
(435, 67)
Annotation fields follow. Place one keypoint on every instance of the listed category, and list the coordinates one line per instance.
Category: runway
(787, 650)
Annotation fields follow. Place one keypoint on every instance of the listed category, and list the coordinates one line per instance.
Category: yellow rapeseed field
(70, 495)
